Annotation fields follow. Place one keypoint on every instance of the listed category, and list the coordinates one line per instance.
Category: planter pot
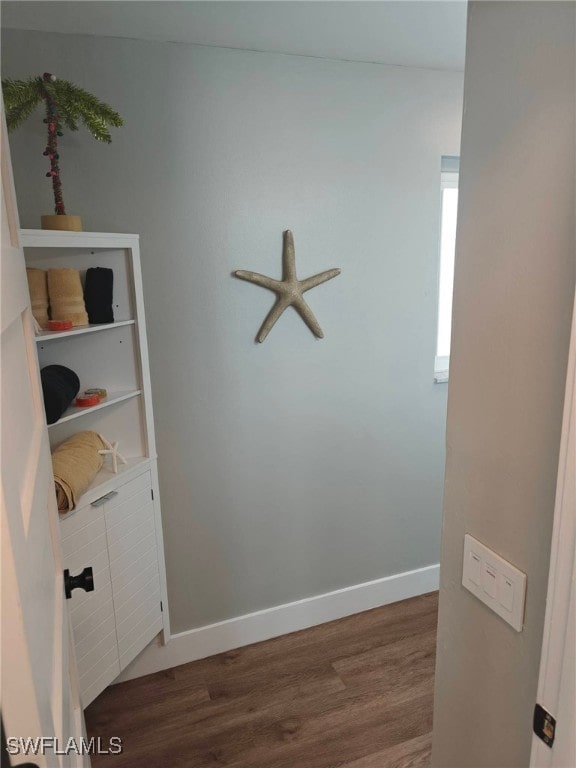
(62, 222)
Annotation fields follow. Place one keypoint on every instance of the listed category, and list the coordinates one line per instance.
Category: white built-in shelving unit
(116, 526)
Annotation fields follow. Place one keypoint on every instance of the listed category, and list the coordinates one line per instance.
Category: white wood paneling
(147, 634)
(146, 597)
(82, 530)
(93, 554)
(144, 613)
(70, 525)
(129, 489)
(125, 587)
(123, 544)
(123, 518)
(93, 622)
(123, 613)
(99, 630)
(93, 681)
(81, 603)
(93, 612)
(142, 551)
(104, 647)
(93, 687)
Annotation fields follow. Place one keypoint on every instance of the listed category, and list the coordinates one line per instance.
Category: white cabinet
(92, 614)
(116, 526)
(116, 534)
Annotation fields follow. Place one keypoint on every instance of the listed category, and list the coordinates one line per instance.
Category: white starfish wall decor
(289, 290)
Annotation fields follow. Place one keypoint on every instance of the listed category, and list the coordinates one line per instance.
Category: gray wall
(514, 288)
(298, 466)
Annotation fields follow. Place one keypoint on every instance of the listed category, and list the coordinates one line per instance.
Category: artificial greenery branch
(66, 104)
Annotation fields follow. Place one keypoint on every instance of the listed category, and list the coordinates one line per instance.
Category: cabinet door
(84, 543)
(133, 552)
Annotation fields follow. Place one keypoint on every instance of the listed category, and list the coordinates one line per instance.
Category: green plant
(66, 104)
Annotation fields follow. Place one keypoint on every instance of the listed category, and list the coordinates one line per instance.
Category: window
(449, 208)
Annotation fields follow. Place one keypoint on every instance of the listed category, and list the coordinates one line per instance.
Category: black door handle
(84, 580)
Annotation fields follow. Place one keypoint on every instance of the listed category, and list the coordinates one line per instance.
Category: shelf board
(80, 330)
(113, 397)
(52, 238)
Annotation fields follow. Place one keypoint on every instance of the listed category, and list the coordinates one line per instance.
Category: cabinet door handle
(84, 580)
(103, 499)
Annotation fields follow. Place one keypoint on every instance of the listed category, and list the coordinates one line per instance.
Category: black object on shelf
(60, 385)
(98, 294)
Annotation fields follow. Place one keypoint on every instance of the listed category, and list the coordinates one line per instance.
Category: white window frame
(448, 180)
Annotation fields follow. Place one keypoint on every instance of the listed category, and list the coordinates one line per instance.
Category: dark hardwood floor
(354, 693)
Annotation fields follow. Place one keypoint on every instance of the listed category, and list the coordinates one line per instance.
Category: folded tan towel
(75, 463)
(66, 296)
(38, 289)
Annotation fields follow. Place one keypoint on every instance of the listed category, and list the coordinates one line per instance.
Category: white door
(39, 690)
(557, 682)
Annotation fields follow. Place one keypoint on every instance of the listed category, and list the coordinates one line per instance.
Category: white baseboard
(280, 620)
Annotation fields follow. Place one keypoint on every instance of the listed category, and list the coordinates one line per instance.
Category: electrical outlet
(494, 581)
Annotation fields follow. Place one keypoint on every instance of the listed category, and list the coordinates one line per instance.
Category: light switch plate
(494, 581)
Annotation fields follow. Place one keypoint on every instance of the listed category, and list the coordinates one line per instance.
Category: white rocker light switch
(494, 581)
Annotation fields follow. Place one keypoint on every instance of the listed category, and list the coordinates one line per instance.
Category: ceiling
(415, 33)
